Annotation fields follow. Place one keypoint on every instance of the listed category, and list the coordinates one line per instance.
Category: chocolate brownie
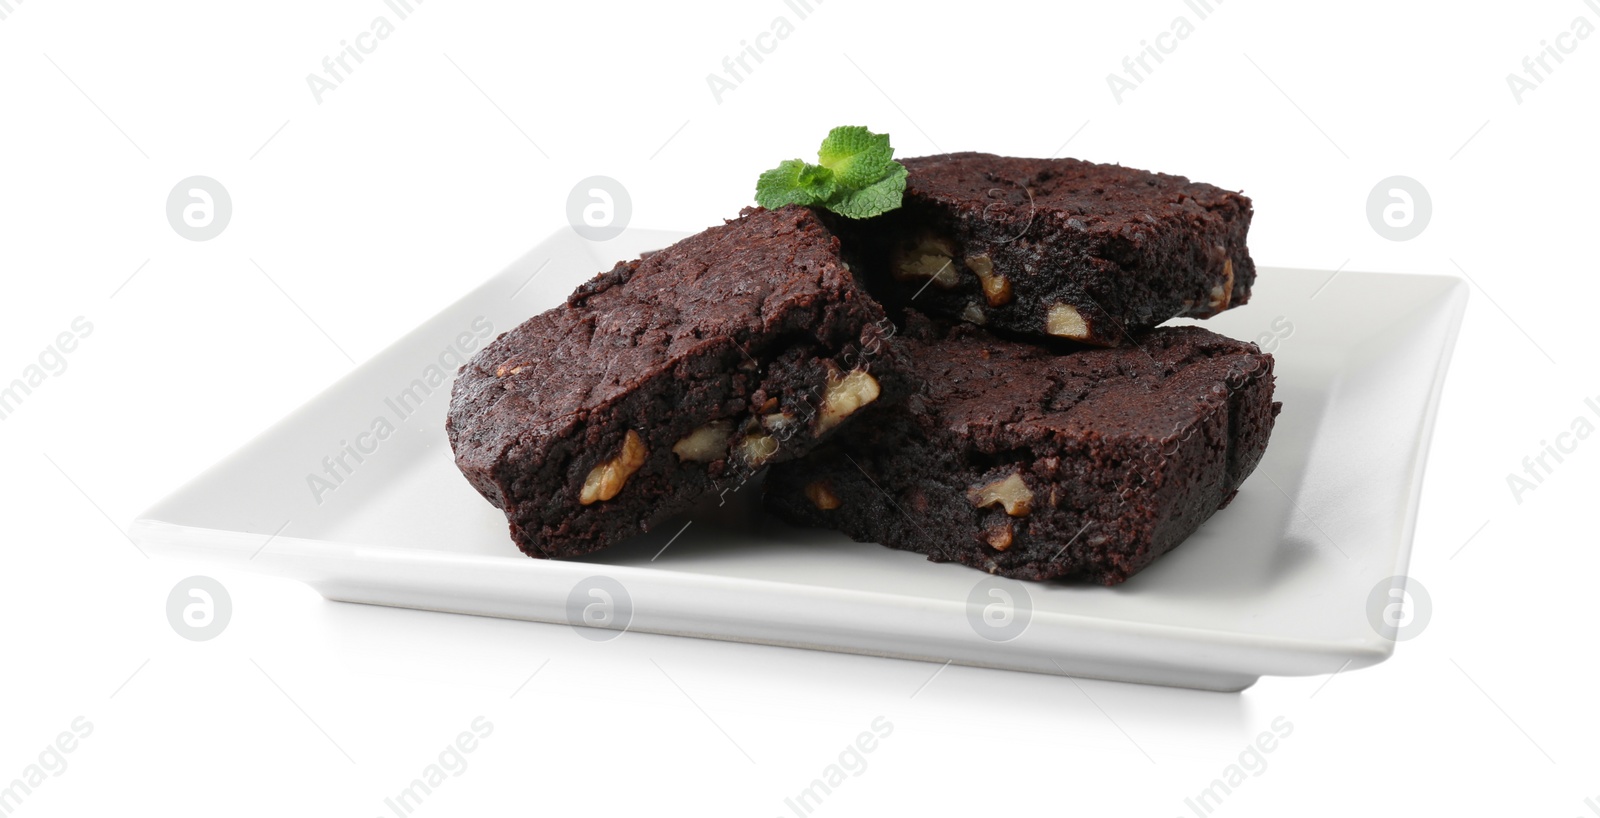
(669, 378)
(1057, 247)
(1037, 464)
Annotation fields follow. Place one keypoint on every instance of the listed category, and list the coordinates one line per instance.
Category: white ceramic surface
(1275, 584)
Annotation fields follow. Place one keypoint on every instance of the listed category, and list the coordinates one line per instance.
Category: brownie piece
(669, 378)
(1057, 247)
(1037, 464)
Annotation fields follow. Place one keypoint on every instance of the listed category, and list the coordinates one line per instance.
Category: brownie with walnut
(1057, 248)
(1037, 464)
(669, 378)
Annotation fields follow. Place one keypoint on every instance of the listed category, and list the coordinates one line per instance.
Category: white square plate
(356, 494)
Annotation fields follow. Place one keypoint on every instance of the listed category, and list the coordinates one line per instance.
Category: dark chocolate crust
(1123, 249)
(578, 423)
(1120, 453)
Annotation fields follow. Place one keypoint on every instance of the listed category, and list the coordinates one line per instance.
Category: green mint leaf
(794, 181)
(857, 178)
(857, 156)
(875, 199)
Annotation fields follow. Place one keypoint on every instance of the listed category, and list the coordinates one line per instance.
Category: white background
(452, 149)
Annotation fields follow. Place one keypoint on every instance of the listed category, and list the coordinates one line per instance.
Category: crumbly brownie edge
(1007, 265)
(699, 437)
(720, 411)
(1099, 525)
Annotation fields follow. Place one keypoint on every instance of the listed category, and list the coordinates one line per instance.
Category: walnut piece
(999, 537)
(706, 443)
(932, 257)
(973, 314)
(996, 288)
(1010, 493)
(1222, 294)
(1065, 320)
(844, 395)
(822, 496)
(608, 478)
(755, 449)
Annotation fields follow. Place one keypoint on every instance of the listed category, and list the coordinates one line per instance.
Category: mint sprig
(856, 176)
(795, 182)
